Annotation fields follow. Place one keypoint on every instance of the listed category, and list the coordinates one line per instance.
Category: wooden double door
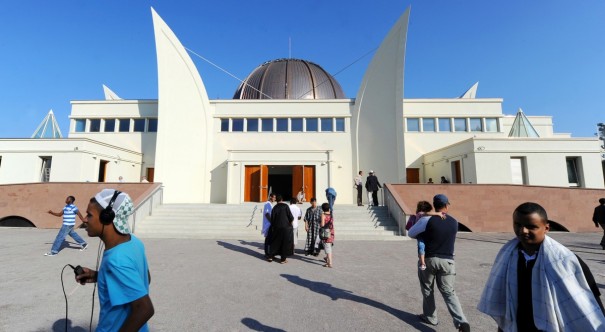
(258, 181)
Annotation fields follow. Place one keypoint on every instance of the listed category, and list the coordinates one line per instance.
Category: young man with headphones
(123, 277)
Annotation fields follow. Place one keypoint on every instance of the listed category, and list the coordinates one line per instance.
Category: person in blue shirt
(68, 213)
(123, 277)
(331, 197)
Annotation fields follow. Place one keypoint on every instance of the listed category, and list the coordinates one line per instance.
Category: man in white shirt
(297, 214)
(267, 221)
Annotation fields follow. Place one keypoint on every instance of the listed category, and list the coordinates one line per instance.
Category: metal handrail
(149, 198)
(252, 217)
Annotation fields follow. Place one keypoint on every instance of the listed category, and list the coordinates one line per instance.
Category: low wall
(489, 208)
(32, 200)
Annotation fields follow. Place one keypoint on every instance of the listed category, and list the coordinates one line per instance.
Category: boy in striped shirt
(68, 213)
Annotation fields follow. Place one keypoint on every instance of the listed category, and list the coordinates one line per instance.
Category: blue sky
(547, 57)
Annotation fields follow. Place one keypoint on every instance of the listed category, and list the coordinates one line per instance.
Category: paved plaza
(210, 285)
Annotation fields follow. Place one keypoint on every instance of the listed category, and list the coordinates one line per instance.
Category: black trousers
(375, 197)
(359, 192)
(603, 239)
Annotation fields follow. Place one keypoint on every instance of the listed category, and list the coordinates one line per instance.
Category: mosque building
(289, 128)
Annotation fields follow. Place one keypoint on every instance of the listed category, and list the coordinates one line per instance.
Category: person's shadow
(242, 249)
(255, 325)
(59, 326)
(337, 293)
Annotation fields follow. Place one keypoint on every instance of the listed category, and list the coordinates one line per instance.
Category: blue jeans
(331, 199)
(63, 232)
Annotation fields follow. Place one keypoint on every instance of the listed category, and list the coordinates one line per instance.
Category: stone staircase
(244, 221)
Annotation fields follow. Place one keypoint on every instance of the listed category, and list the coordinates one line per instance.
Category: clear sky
(547, 57)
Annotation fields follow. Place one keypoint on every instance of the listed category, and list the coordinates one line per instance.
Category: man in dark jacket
(598, 217)
(282, 236)
(372, 185)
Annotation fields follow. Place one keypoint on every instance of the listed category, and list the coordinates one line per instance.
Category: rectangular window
(517, 170)
(281, 124)
(476, 124)
(573, 172)
(445, 124)
(139, 125)
(124, 125)
(237, 125)
(152, 125)
(224, 125)
(428, 124)
(326, 124)
(491, 124)
(267, 125)
(311, 124)
(46, 166)
(95, 125)
(340, 124)
(252, 124)
(413, 124)
(80, 125)
(296, 124)
(460, 124)
(110, 125)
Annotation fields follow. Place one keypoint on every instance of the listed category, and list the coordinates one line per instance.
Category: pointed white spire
(48, 128)
(522, 127)
(110, 95)
(470, 93)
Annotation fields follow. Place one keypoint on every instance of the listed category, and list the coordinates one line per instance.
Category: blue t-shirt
(123, 278)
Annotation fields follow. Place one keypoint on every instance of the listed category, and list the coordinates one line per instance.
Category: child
(423, 208)
(328, 222)
(536, 283)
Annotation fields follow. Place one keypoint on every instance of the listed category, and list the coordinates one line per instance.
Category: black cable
(65, 295)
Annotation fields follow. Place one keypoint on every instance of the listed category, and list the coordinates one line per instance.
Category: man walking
(439, 237)
(331, 196)
(598, 217)
(372, 185)
(357, 180)
(68, 213)
(297, 214)
(267, 221)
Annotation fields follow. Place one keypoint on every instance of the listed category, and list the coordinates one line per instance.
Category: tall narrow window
(573, 171)
(45, 172)
(517, 170)
(152, 125)
(224, 125)
(340, 124)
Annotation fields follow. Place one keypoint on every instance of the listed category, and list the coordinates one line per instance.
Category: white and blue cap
(122, 207)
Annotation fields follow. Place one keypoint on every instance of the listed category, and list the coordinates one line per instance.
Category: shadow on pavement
(59, 326)
(241, 249)
(337, 293)
(255, 325)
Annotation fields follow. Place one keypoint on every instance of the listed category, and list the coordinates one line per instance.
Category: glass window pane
(476, 124)
(460, 124)
(110, 125)
(237, 124)
(445, 124)
(311, 124)
(152, 125)
(224, 125)
(413, 124)
(491, 125)
(95, 125)
(80, 125)
(340, 124)
(326, 124)
(296, 124)
(282, 124)
(267, 124)
(428, 124)
(572, 171)
(139, 125)
(124, 125)
(252, 124)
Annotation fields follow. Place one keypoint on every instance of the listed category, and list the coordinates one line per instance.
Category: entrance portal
(286, 180)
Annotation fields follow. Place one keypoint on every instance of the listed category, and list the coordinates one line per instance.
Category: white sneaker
(50, 253)
(84, 247)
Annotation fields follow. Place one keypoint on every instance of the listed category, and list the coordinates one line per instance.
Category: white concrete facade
(200, 148)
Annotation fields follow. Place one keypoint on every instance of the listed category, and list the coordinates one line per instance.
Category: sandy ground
(209, 285)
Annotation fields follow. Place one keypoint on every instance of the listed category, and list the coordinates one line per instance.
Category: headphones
(107, 215)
